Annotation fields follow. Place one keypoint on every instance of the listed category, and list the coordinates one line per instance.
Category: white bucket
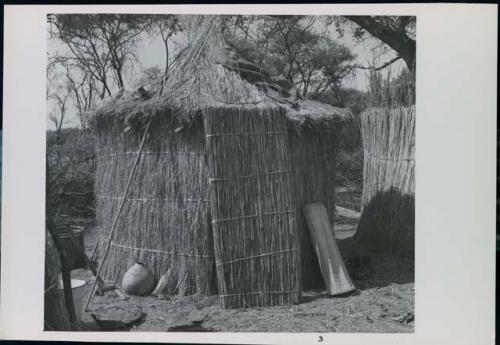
(78, 290)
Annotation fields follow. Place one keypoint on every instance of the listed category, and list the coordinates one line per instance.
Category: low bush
(70, 172)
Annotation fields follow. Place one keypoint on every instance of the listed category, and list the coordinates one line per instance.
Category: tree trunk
(396, 39)
(165, 41)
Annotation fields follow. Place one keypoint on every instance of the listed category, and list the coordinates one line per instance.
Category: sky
(151, 52)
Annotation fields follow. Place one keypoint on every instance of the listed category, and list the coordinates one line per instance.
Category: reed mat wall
(253, 207)
(388, 203)
(164, 223)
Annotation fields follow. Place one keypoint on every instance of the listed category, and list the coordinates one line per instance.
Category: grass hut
(223, 173)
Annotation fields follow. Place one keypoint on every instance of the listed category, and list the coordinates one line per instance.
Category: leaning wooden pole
(115, 221)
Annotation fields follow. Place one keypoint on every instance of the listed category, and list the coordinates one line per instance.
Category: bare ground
(384, 303)
(379, 307)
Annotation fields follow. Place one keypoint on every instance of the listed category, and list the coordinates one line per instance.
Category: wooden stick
(68, 295)
(94, 251)
(115, 221)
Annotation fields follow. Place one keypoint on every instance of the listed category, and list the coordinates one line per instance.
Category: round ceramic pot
(138, 280)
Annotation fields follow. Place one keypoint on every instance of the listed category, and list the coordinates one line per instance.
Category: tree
(77, 85)
(57, 96)
(102, 45)
(57, 115)
(167, 26)
(398, 32)
(82, 85)
(289, 46)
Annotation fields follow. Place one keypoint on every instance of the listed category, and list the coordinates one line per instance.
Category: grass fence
(388, 132)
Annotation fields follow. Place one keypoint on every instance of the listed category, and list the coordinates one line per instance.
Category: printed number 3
(320, 339)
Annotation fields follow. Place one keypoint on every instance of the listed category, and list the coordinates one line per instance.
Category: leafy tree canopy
(291, 47)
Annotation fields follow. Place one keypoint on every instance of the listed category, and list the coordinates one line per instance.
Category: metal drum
(72, 249)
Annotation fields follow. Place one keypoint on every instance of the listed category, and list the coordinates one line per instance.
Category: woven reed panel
(164, 223)
(253, 209)
(388, 202)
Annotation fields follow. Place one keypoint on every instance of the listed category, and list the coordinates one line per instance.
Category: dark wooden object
(68, 243)
(72, 255)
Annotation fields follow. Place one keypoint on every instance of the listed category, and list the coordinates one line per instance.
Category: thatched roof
(198, 82)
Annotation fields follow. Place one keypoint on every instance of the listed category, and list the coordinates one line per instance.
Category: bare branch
(388, 63)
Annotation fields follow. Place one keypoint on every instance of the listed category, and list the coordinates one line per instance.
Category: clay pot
(138, 280)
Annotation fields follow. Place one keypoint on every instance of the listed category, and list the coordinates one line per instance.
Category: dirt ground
(384, 303)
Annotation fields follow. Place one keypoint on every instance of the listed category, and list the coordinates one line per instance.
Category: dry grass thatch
(253, 209)
(55, 314)
(388, 211)
(197, 82)
(164, 222)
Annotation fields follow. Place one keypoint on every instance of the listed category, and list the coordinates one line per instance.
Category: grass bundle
(253, 207)
(388, 202)
(56, 317)
(164, 223)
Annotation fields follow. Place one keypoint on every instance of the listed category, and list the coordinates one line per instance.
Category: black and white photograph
(249, 174)
(230, 173)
